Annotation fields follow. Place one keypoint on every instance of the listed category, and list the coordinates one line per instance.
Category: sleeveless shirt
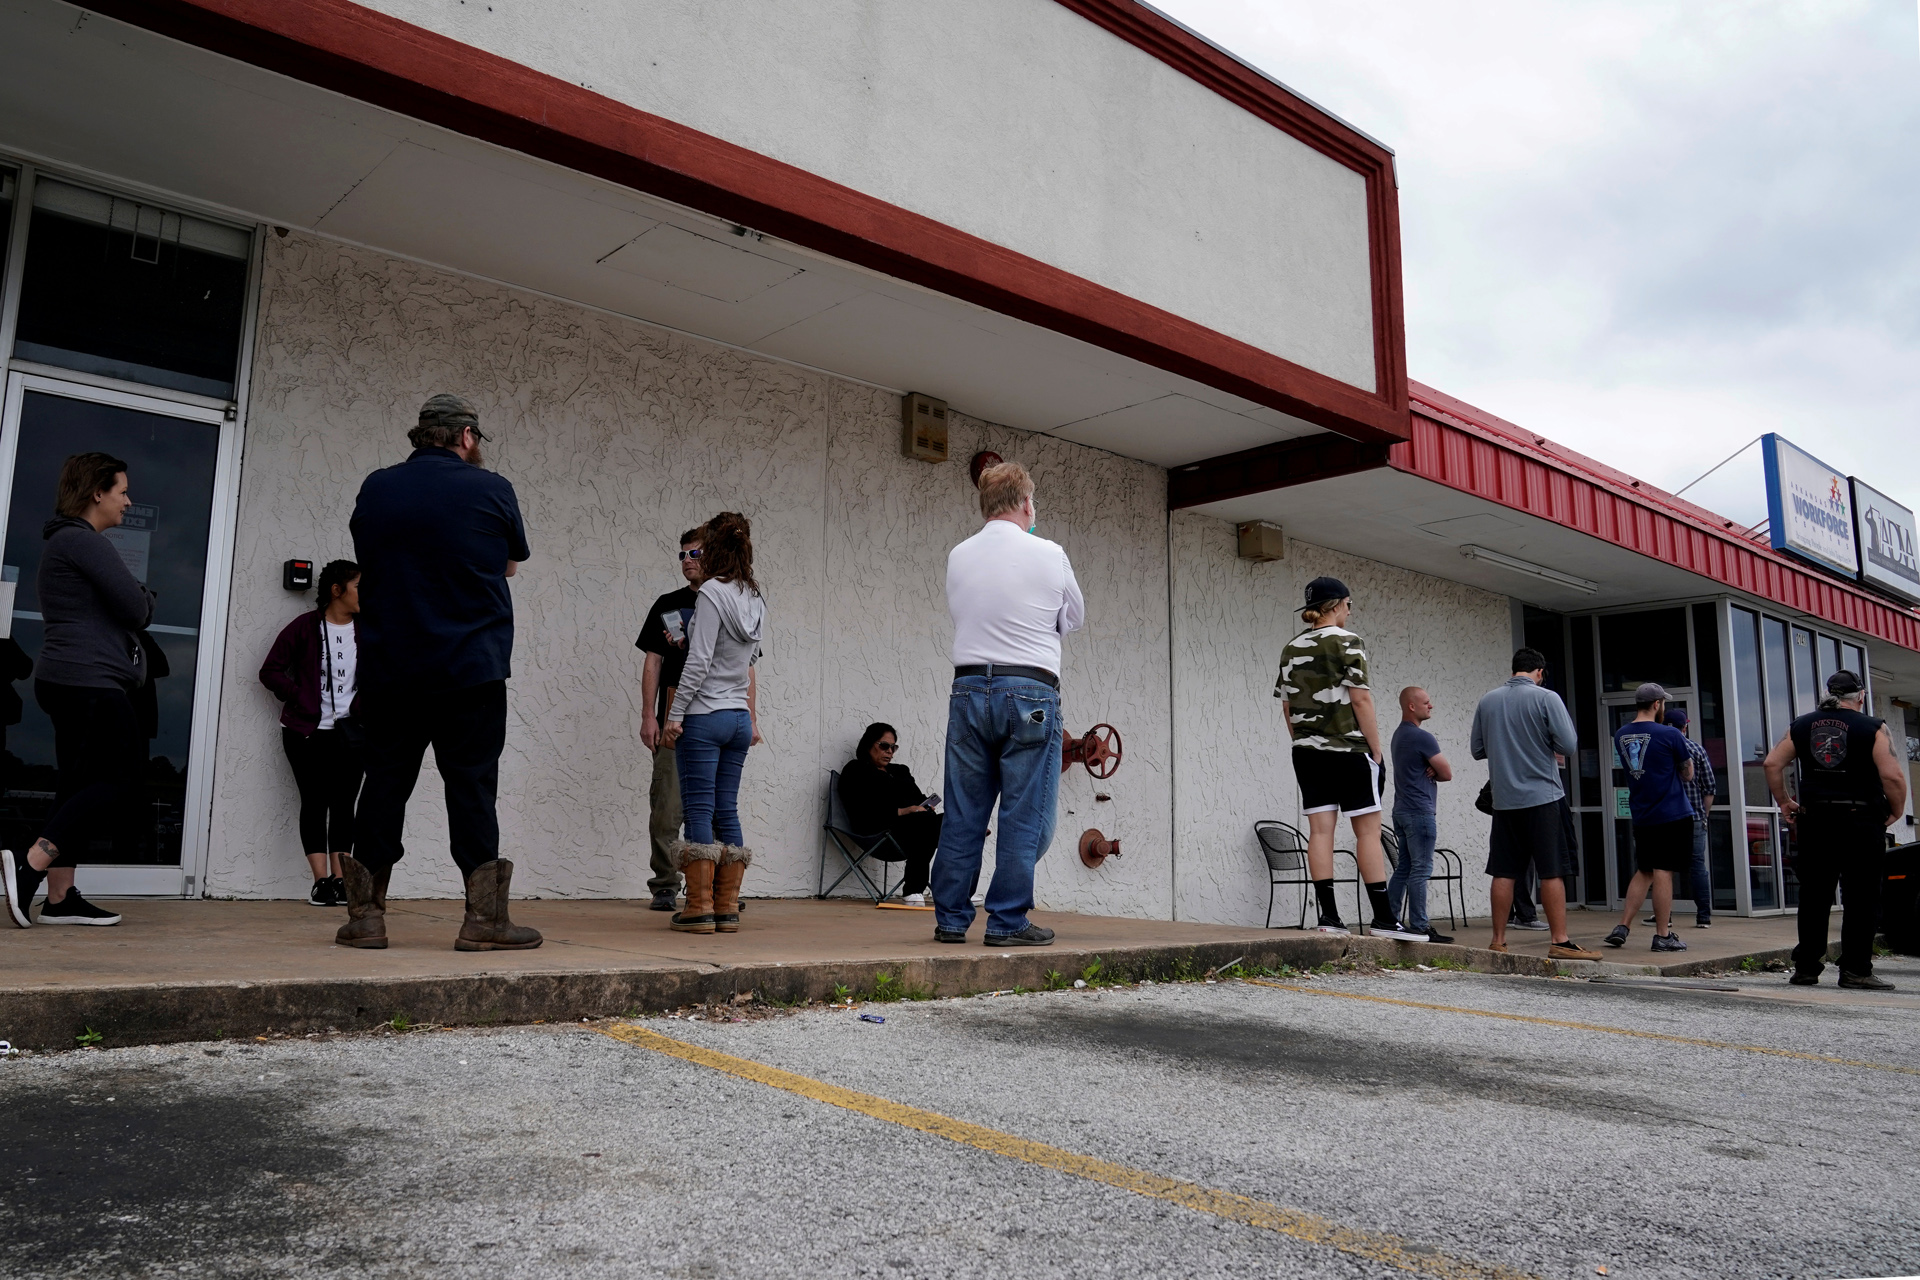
(1835, 750)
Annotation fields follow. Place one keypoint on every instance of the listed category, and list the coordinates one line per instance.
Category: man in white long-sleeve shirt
(1012, 596)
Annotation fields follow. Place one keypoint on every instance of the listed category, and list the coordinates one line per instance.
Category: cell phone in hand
(932, 802)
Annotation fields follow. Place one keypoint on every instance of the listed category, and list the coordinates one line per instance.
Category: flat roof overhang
(1468, 482)
(326, 116)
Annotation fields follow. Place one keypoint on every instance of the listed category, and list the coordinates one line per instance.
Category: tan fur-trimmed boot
(697, 863)
(487, 926)
(366, 924)
(734, 861)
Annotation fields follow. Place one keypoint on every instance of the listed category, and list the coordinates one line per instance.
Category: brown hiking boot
(487, 927)
(698, 863)
(734, 861)
(366, 924)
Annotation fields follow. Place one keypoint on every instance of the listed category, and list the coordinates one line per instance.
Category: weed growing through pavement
(88, 1039)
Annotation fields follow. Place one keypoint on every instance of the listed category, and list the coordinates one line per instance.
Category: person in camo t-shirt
(1336, 750)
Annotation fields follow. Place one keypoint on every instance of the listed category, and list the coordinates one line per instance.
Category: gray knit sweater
(93, 607)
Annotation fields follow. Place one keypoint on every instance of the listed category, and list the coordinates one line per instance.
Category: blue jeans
(1003, 741)
(1417, 833)
(710, 754)
(1702, 879)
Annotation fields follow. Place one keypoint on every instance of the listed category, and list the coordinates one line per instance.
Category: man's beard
(478, 459)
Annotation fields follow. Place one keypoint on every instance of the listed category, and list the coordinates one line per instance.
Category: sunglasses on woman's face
(888, 747)
(690, 555)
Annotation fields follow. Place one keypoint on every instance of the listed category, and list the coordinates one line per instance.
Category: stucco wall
(1231, 617)
(1015, 120)
(617, 436)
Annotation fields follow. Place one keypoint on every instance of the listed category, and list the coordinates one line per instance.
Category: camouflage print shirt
(1319, 669)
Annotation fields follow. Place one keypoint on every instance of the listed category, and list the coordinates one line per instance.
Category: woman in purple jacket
(313, 668)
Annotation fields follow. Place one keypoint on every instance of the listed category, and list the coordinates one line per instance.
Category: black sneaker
(1331, 924)
(1536, 924)
(321, 895)
(665, 900)
(1434, 935)
(22, 882)
(1671, 942)
(949, 935)
(1392, 929)
(1031, 936)
(1805, 978)
(339, 887)
(74, 909)
(1851, 981)
(1618, 938)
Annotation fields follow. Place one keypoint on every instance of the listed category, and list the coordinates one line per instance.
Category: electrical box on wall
(297, 575)
(1262, 541)
(923, 427)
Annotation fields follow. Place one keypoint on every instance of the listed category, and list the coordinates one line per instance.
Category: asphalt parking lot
(1229, 1129)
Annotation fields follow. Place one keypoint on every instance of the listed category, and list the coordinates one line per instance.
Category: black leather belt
(992, 669)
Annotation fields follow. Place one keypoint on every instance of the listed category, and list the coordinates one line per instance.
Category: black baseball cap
(1844, 684)
(1324, 590)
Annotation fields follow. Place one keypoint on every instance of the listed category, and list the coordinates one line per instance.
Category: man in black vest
(1852, 788)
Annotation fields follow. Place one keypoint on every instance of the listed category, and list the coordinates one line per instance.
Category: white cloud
(1649, 231)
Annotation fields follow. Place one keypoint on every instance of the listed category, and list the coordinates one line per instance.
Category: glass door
(1620, 710)
(179, 457)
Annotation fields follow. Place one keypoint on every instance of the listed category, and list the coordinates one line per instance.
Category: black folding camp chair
(855, 849)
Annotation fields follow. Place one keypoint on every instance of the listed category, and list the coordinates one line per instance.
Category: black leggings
(102, 756)
(327, 769)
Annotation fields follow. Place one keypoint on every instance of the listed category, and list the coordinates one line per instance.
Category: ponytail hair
(338, 573)
(726, 550)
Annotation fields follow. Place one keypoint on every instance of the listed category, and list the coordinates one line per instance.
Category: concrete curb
(165, 1013)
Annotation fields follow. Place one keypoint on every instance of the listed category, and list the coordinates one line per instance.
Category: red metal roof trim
(1459, 446)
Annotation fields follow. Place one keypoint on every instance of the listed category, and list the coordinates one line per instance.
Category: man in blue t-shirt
(437, 537)
(1418, 769)
(1654, 756)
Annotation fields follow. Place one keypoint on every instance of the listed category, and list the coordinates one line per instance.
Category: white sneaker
(915, 899)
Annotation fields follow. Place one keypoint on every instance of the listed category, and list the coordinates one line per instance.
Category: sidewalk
(192, 970)
(1721, 947)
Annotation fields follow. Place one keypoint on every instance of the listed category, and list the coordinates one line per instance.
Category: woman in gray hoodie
(89, 666)
(711, 725)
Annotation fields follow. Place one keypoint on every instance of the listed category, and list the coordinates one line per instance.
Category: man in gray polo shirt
(1517, 730)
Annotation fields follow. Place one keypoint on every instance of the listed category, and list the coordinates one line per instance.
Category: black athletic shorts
(1664, 846)
(1536, 836)
(1345, 780)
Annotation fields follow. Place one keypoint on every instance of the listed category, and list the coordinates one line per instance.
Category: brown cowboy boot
(366, 924)
(487, 927)
(697, 863)
(726, 887)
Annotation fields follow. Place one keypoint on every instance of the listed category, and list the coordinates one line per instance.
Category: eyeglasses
(690, 555)
(888, 747)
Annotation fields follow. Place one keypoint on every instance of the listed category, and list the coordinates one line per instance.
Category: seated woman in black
(881, 796)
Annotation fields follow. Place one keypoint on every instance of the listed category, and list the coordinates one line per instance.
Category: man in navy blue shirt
(437, 537)
(1654, 757)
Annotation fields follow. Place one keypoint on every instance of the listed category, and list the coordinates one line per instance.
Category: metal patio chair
(856, 849)
(1446, 870)
(1286, 853)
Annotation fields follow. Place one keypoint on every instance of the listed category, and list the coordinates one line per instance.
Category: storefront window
(1593, 857)
(1806, 685)
(129, 290)
(1638, 647)
(1586, 722)
(1855, 660)
(1761, 861)
(1749, 702)
(1779, 679)
(1710, 726)
(1720, 861)
(1829, 659)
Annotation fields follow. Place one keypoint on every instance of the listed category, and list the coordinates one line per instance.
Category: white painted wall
(618, 435)
(1231, 618)
(1015, 120)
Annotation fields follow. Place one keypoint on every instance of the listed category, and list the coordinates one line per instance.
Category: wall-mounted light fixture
(1529, 568)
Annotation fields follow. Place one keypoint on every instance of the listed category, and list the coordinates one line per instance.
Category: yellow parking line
(1373, 1245)
(1591, 1026)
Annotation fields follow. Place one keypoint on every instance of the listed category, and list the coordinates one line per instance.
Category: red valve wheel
(1104, 750)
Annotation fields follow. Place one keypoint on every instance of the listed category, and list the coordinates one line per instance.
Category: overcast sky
(1650, 231)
